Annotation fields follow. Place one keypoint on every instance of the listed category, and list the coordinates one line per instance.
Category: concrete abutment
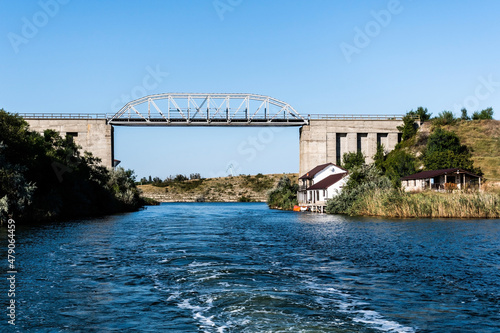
(93, 135)
(327, 140)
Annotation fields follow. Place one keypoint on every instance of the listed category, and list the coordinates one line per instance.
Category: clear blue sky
(320, 56)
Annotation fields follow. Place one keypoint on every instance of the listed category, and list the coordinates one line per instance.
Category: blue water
(197, 267)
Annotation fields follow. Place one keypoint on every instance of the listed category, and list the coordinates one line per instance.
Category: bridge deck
(155, 121)
(205, 122)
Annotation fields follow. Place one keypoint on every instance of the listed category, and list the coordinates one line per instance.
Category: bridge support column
(93, 135)
(323, 140)
(372, 144)
(392, 139)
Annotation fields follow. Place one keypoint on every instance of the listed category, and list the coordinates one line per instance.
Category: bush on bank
(362, 179)
(284, 196)
(44, 177)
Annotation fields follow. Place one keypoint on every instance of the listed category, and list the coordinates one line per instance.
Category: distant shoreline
(242, 188)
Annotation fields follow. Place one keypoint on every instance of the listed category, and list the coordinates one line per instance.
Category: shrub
(409, 127)
(180, 178)
(444, 150)
(353, 160)
(444, 118)
(464, 114)
(397, 164)
(259, 183)
(379, 157)
(284, 196)
(361, 180)
(483, 114)
(421, 112)
(245, 199)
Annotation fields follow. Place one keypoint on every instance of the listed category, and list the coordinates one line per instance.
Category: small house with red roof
(441, 180)
(320, 184)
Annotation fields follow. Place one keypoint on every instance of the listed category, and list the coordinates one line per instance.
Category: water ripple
(244, 268)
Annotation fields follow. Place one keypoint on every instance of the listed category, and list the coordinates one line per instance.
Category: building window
(71, 135)
(362, 142)
(382, 139)
(341, 146)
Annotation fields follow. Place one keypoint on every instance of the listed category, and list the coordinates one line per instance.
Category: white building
(320, 184)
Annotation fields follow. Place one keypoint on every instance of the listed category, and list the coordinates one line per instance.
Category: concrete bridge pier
(93, 135)
(327, 140)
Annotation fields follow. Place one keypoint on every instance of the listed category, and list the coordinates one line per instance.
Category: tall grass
(394, 203)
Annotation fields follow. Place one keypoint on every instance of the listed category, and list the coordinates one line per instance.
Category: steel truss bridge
(184, 109)
(207, 110)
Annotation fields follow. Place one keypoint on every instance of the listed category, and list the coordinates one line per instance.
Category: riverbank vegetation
(44, 177)
(284, 195)
(394, 203)
(437, 144)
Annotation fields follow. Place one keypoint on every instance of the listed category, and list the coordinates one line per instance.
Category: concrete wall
(325, 140)
(93, 135)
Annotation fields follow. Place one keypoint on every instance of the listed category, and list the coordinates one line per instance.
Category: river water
(229, 267)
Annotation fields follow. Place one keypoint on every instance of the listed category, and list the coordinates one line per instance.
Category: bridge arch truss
(184, 109)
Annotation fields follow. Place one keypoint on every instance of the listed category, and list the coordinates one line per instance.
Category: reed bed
(394, 203)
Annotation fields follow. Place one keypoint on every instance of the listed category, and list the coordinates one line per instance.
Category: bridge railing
(234, 117)
(356, 117)
(63, 115)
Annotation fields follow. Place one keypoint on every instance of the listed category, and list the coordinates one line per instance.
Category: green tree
(397, 164)
(409, 127)
(352, 160)
(379, 157)
(284, 195)
(483, 114)
(444, 151)
(464, 116)
(16, 193)
(422, 113)
(180, 178)
(195, 176)
(444, 118)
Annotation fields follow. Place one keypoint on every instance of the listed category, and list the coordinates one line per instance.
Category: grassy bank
(483, 136)
(393, 203)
